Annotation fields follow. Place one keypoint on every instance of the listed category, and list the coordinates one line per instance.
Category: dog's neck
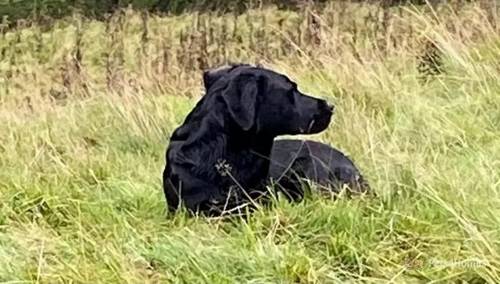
(248, 158)
(260, 144)
(246, 154)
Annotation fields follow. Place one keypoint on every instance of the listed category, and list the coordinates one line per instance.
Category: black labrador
(294, 161)
(217, 160)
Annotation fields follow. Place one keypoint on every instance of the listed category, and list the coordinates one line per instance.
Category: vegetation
(42, 11)
(87, 108)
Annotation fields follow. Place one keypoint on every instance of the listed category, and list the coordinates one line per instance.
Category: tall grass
(87, 108)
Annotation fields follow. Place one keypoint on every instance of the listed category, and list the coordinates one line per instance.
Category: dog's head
(267, 102)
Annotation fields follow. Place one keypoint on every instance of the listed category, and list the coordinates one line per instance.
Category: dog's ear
(241, 100)
(212, 75)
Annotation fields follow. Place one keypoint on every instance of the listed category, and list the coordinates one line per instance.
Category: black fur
(294, 161)
(218, 158)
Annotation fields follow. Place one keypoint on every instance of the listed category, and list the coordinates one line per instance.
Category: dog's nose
(324, 106)
(330, 107)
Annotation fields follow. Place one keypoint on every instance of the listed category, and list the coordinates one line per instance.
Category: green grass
(80, 178)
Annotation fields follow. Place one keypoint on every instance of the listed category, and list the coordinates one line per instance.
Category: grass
(81, 152)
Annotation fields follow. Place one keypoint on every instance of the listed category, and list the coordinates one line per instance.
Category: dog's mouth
(318, 124)
(308, 129)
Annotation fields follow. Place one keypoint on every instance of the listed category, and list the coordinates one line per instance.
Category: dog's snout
(325, 106)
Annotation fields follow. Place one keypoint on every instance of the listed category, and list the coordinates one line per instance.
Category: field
(87, 108)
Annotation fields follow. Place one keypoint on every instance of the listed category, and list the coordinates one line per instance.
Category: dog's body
(293, 161)
(218, 158)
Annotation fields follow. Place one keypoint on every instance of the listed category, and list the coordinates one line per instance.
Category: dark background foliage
(13, 10)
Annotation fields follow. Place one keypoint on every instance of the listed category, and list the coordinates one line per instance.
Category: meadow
(87, 108)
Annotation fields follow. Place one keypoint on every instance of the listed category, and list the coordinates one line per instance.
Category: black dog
(218, 158)
(292, 161)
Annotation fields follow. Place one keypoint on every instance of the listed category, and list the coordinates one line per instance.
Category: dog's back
(295, 160)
